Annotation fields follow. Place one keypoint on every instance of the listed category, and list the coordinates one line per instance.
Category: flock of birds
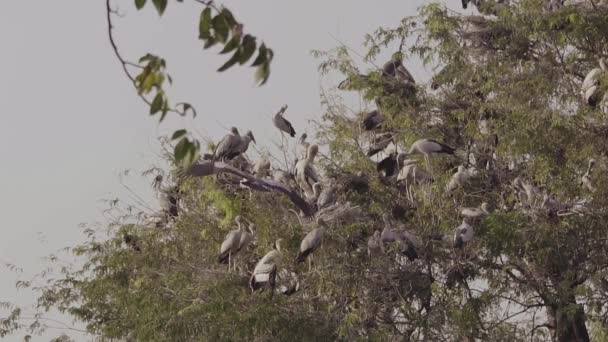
(399, 167)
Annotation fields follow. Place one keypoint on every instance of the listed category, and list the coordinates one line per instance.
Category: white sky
(71, 121)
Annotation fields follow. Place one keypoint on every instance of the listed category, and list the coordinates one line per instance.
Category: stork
(230, 245)
(586, 180)
(261, 169)
(326, 197)
(460, 178)
(229, 146)
(311, 243)
(265, 270)
(474, 213)
(590, 86)
(246, 237)
(463, 234)
(282, 124)
(372, 120)
(244, 142)
(305, 173)
(374, 245)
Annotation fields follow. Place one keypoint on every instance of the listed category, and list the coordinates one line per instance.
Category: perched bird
(460, 178)
(302, 139)
(586, 180)
(311, 242)
(327, 196)
(389, 165)
(266, 269)
(474, 213)
(411, 173)
(229, 146)
(244, 142)
(590, 88)
(528, 191)
(246, 237)
(463, 234)
(282, 124)
(379, 143)
(305, 173)
(430, 146)
(374, 245)
(372, 120)
(230, 245)
(395, 68)
(261, 169)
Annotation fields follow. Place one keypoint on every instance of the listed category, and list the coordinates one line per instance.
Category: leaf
(248, 48)
(231, 45)
(262, 74)
(229, 17)
(210, 42)
(204, 25)
(221, 28)
(262, 56)
(157, 103)
(181, 149)
(232, 61)
(178, 134)
(139, 4)
(160, 5)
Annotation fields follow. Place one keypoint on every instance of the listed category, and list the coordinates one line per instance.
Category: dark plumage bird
(283, 124)
(379, 143)
(131, 241)
(372, 120)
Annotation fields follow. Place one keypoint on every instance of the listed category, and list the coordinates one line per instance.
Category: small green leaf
(178, 134)
(248, 48)
(209, 43)
(229, 17)
(231, 45)
(181, 149)
(139, 4)
(220, 25)
(157, 103)
(160, 5)
(262, 73)
(262, 56)
(204, 25)
(232, 61)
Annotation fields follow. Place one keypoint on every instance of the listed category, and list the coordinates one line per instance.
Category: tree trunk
(570, 323)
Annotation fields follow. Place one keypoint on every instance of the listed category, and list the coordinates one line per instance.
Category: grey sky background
(71, 120)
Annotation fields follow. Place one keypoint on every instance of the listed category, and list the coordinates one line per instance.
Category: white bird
(474, 213)
(463, 234)
(374, 245)
(282, 124)
(388, 234)
(590, 86)
(326, 197)
(229, 146)
(230, 245)
(411, 173)
(586, 180)
(460, 178)
(261, 169)
(311, 242)
(265, 270)
(427, 147)
(246, 237)
(305, 173)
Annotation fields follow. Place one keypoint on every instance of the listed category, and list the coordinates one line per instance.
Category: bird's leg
(309, 262)
(229, 257)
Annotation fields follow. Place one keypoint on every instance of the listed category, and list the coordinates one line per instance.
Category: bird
(229, 146)
(463, 234)
(246, 237)
(590, 87)
(311, 242)
(305, 173)
(427, 147)
(531, 192)
(282, 124)
(408, 242)
(460, 178)
(266, 268)
(302, 139)
(388, 234)
(395, 68)
(586, 180)
(372, 120)
(374, 245)
(379, 143)
(230, 245)
(131, 241)
(326, 197)
(244, 142)
(390, 164)
(261, 169)
(411, 173)
(474, 213)
(168, 197)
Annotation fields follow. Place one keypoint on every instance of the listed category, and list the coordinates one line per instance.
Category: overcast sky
(70, 121)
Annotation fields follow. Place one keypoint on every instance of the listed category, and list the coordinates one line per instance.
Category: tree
(507, 96)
